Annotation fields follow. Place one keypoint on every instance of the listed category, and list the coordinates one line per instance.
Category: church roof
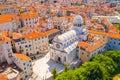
(71, 47)
(67, 36)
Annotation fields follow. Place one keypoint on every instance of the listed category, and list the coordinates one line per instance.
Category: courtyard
(43, 66)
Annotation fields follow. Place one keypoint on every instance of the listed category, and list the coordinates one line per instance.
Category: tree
(69, 75)
(106, 62)
(54, 72)
(66, 68)
(92, 71)
(88, 71)
(115, 55)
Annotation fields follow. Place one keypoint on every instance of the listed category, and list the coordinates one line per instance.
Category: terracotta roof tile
(22, 56)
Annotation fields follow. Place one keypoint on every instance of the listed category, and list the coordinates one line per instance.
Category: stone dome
(78, 20)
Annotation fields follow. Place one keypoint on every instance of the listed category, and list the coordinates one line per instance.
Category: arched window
(79, 25)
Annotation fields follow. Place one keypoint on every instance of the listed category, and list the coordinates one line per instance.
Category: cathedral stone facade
(63, 49)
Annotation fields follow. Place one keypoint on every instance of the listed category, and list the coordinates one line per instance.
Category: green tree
(115, 55)
(88, 71)
(69, 75)
(106, 62)
(92, 71)
(66, 68)
(54, 72)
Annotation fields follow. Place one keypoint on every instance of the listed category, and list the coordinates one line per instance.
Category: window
(87, 55)
(29, 45)
(82, 53)
(26, 76)
(25, 45)
(23, 63)
(20, 47)
(114, 42)
(30, 65)
(26, 49)
(65, 59)
(23, 38)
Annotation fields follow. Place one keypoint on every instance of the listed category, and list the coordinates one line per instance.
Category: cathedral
(63, 49)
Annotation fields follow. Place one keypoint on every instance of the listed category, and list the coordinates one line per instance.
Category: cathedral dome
(78, 20)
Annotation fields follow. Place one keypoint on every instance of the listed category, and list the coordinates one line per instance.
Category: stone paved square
(43, 67)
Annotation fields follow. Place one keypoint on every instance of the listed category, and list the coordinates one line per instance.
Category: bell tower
(78, 23)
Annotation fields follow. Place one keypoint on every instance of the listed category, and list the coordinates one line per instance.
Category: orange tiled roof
(3, 77)
(4, 39)
(4, 19)
(83, 44)
(22, 56)
(97, 32)
(95, 46)
(17, 35)
(105, 19)
(29, 15)
(51, 31)
(112, 35)
(2, 7)
(35, 35)
(42, 21)
(8, 17)
(112, 28)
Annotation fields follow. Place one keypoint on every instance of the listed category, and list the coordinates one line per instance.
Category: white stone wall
(7, 51)
(9, 26)
(25, 65)
(30, 22)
